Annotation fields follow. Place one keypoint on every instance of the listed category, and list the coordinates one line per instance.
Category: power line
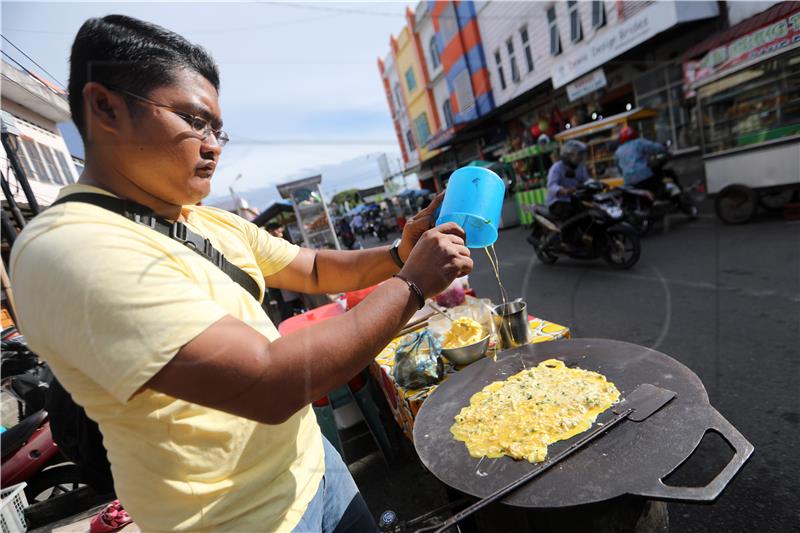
(32, 61)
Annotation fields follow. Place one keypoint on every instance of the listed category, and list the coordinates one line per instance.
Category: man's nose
(210, 147)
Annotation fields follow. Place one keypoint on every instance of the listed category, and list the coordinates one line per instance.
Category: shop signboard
(612, 41)
(586, 85)
(770, 38)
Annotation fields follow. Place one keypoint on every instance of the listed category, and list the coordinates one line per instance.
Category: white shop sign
(587, 84)
(610, 42)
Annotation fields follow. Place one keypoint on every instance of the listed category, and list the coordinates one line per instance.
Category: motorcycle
(53, 483)
(379, 230)
(643, 207)
(598, 230)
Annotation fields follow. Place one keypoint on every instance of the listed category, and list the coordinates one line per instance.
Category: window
(555, 38)
(447, 113)
(575, 29)
(433, 50)
(398, 96)
(500, 73)
(422, 127)
(66, 168)
(35, 163)
(676, 122)
(598, 14)
(50, 162)
(463, 88)
(410, 139)
(513, 60)
(411, 81)
(526, 45)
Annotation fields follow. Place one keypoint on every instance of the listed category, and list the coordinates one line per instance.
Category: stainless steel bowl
(467, 354)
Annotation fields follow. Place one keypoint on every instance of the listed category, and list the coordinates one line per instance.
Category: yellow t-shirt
(107, 303)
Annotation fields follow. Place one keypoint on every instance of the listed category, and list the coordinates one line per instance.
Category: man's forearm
(306, 365)
(340, 270)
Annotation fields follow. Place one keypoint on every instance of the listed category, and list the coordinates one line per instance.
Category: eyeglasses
(199, 125)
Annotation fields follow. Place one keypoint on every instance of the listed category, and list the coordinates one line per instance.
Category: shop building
(397, 107)
(35, 156)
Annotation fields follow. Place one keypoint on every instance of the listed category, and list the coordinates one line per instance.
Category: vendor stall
(405, 403)
(531, 189)
(748, 93)
(600, 137)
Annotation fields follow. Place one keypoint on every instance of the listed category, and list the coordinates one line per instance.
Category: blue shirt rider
(633, 158)
(564, 177)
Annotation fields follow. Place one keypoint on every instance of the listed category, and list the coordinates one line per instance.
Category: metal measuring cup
(511, 321)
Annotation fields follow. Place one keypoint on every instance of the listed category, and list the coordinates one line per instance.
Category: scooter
(598, 230)
(643, 207)
(29, 452)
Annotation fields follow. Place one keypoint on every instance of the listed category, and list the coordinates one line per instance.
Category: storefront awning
(774, 31)
(777, 12)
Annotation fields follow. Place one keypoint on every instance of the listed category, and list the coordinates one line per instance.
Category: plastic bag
(417, 360)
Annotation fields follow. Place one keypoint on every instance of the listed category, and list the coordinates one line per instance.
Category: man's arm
(233, 368)
(326, 271)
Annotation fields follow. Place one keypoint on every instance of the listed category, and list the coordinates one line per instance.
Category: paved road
(725, 301)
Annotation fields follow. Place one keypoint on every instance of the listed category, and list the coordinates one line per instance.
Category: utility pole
(233, 195)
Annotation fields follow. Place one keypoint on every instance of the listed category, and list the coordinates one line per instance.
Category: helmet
(543, 139)
(572, 152)
(627, 134)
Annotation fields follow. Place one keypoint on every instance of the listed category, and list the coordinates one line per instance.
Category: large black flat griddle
(633, 458)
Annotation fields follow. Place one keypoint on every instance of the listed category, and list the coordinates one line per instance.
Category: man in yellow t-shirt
(203, 407)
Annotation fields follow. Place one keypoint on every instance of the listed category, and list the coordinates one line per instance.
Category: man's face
(277, 232)
(160, 152)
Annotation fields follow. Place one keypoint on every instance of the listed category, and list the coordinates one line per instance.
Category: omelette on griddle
(522, 415)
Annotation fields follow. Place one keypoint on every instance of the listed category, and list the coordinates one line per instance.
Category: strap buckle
(178, 231)
(145, 220)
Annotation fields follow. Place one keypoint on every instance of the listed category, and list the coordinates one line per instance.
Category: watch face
(396, 243)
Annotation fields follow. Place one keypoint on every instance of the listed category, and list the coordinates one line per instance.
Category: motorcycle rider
(563, 180)
(633, 160)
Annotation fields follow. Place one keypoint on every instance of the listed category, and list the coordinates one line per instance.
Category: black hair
(133, 55)
(273, 226)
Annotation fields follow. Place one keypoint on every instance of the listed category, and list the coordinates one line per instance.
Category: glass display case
(311, 210)
(754, 105)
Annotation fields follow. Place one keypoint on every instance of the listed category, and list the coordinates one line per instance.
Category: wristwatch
(394, 252)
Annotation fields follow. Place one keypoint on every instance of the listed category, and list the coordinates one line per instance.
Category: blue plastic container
(474, 200)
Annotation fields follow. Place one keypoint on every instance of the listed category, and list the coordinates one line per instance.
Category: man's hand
(438, 258)
(419, 224)
(565, 191)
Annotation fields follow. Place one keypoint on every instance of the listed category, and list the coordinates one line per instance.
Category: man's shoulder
(76, 228)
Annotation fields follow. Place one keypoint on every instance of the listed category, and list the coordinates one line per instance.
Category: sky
(300, 88)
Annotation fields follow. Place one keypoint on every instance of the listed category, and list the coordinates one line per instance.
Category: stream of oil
(491, 253)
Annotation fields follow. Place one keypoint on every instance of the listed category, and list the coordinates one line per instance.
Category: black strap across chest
(174, 230)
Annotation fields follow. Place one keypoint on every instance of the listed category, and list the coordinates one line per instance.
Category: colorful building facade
(463, 59)
(435, 78)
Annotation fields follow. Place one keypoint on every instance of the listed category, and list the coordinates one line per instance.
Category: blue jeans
(337, 507)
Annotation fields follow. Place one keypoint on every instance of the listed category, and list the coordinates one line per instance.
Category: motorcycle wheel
(623, 248)
(536, 239)
(52, 483)
(736, 204)
(689, 207)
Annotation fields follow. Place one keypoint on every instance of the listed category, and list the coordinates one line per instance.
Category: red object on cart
(355, 297)
(310, 317)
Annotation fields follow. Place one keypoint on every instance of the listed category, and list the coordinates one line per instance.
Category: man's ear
(103, 108)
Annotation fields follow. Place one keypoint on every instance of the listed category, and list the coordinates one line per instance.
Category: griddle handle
(742, 451)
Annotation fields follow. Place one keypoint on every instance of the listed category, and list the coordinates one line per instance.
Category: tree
(348, 195)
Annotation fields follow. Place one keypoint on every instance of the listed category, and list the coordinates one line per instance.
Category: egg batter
(462, 332)
(532, 409)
